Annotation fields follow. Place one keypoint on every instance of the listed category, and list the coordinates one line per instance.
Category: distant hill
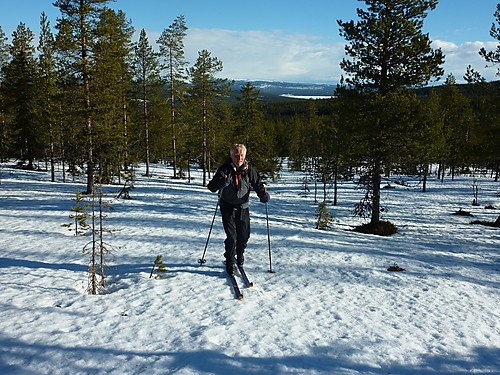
(285, 91)
(278, 91)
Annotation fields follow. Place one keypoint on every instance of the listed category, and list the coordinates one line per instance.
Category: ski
(237, 293)
(244, 276)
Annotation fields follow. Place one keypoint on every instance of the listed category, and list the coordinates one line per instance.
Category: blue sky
(286, 40)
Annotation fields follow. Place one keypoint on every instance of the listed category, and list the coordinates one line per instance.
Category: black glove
(264, 198)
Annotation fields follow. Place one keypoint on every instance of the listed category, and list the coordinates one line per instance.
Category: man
(234, 180)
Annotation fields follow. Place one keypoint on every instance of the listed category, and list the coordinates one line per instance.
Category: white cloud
(261, 55)
(459, 56)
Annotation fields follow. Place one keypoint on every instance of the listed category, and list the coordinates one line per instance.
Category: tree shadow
(10, 262)
(35, 358)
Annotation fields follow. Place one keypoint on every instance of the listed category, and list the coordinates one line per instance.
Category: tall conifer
(205, 89)
(4, 58)
(112, 85)
(171, 42)
(19, 87)
(76, 38)
(493, 57)
(147, 75)
(387, 52)
(47, 90)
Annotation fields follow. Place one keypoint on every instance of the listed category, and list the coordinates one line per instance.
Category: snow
(292, 96)
(331, 307)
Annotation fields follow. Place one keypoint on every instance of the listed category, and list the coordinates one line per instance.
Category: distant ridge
(278, 90)
(290, 91)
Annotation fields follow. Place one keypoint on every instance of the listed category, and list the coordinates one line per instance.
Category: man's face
(238, 157)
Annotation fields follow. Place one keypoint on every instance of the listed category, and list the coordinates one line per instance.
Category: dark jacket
(236, 194)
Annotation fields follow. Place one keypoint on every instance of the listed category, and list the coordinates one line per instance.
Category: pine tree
(249, 113)
(48, 90)
(158, 268)
(19, 88)
(337, 143)
(80, 214)
(75, 41)
(112, 85)
(491, 141)
(254, 132)
(458, 127)
(205, 89)
(493, 57)
(4, 133)
(427, 143)
(387, 52)
(171, 42)
(472, 76)
(147, 74)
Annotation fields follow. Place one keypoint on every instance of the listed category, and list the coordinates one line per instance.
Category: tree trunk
(424, 183)
(335, 184)
(376, 192)
(86, 91)
(173, 119)
(146, 125)
(204, 145)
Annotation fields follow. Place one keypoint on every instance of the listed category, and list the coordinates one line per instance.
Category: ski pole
(202, 260)
(269, 242)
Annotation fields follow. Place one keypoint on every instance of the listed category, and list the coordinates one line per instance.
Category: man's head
(238, 154)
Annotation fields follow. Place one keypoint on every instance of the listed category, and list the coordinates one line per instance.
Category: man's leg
(243, 234)
(228, 221)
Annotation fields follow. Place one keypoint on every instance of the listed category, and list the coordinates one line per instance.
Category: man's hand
(264, 198)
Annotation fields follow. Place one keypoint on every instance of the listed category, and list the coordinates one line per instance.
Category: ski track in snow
(331, 307)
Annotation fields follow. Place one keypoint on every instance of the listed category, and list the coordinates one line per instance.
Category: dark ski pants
(236, 223)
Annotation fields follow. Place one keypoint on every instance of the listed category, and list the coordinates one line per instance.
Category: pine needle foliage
(159, 268)
(80, 215)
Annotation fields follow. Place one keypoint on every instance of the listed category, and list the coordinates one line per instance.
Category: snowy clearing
(331, 307)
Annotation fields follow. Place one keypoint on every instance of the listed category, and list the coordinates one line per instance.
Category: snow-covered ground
(306, 96)
(331, 307)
